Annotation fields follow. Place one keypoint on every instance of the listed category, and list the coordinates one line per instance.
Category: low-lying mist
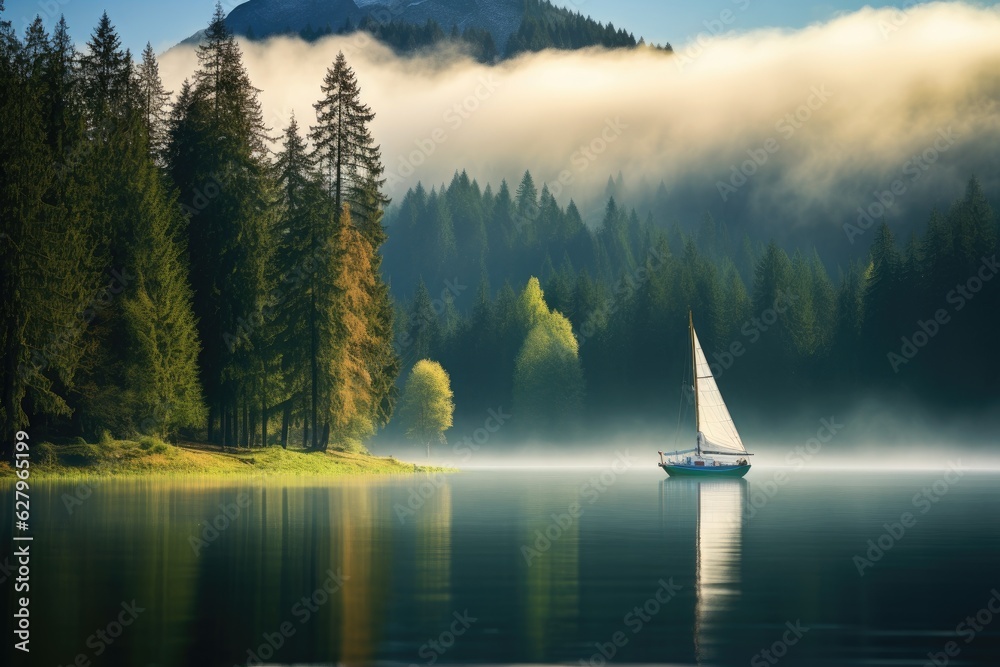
(773, 129)
(869, 433)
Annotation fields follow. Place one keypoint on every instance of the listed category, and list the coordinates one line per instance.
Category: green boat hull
(705, 471)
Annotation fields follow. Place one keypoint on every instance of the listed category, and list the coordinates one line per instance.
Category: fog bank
(780, 128)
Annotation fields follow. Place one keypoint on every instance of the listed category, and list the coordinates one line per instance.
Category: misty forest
(167, 272)
(450, 332)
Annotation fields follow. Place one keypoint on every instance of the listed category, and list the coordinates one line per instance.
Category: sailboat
(717, 434)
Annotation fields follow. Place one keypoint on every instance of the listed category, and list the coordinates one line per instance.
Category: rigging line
(680, 405)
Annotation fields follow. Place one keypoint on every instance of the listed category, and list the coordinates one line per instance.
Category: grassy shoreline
(127, 459)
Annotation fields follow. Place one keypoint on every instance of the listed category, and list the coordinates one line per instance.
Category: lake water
(517, 566)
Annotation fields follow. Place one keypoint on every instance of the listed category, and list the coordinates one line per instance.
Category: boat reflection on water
(717, 509)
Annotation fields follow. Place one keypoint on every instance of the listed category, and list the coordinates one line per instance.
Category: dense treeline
(543, 26)
(408, 38)
(546, 26)
(776, 326)
(163, 271)
(466, 231)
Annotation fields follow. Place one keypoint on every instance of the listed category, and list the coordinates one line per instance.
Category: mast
(694, 377)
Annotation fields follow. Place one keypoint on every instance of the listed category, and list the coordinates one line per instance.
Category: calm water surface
(516, 567)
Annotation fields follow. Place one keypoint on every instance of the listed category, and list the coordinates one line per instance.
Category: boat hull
(682, 470)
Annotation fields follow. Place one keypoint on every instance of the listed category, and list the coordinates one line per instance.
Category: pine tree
(774, 342)
(502, 231)
(823, 303)
(218, 161)
(162, 387)
(298, 266)
(423, 333)
(106, 72)
(801, 317)
(847, 327)
(976, 232)
(737, 303)
(62, 81)
(881, 295)
(352, 400)
(615, 240)
(350, 165)
(34, 50)
(153, 100)
(526, 210)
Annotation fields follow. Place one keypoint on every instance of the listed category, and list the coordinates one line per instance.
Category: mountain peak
(487, 28)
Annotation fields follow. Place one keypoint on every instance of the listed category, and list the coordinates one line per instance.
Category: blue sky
(166, 23)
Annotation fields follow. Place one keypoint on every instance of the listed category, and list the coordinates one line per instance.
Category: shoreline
(153, 459)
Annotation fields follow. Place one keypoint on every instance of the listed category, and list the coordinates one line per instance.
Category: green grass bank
(152, 458)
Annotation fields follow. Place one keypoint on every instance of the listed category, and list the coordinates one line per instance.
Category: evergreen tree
(218, 161)
(350, 164)
(881, 302)
(153, 100)
(300, 259)
(802, 318)
(975, 225)
(847, 326)
(107, 72)
(526, 210)
(351, 401)
(161, 359)
(423, 332)
(823, 304)
(62, 81)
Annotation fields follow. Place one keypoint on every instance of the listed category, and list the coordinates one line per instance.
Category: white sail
(714, 422)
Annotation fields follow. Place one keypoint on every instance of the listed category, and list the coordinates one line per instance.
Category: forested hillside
(779, 326)
(541, 25)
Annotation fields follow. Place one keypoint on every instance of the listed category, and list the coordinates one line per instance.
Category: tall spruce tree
(162, 386)
(153, 100)
(62, 82)
(219, 163)
(304, 260)
(363, 374)
(106, 71)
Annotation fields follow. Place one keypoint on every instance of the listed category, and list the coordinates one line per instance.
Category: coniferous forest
(908, 320)
(165, 273)
(172, 266)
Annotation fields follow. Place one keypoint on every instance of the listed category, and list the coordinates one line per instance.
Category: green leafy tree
(532, 309)
(427, 406)
(548, 377)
